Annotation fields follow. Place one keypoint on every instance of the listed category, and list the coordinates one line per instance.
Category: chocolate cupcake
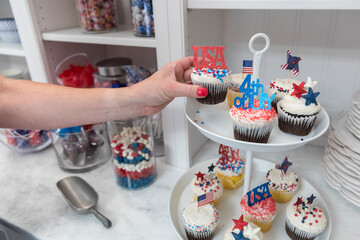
(281, 87)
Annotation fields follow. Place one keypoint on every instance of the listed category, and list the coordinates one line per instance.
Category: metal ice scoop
(81, 197)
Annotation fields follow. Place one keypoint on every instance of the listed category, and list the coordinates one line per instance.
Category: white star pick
(252, 232)
(310, 83)
(210, 176)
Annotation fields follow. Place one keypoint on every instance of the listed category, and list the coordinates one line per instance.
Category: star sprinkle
(310, 97)
(239, 236)
(299, 201)
(310, 83)
(298, 90)
(310, 199)
(199, 175)
(252, 232)
(210, 176)
(211, 168)
(239, 224)
(284, 166)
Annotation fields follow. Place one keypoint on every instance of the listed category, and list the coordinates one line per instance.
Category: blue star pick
(311, 199)
(310, 97)
(239, 236)
(285, 165)
(211, 168)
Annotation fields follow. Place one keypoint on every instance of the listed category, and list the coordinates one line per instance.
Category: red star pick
(298, 202)
(239, 224)
(199, 175)
(298, 90)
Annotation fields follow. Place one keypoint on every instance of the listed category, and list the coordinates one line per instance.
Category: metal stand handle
(258, 54)
(247, 176)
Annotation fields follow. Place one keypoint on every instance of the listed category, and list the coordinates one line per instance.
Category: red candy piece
(11, 141)
(134, 154)
(78, 76)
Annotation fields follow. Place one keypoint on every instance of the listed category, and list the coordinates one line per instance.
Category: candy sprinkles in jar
(133, 152)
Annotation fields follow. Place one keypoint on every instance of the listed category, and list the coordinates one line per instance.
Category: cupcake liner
(281, 196)
(231, 182)
(263, 224)
(296, 234)
(217, 92)
(195, 235)
(231, 95)
(297, 125)
(253, 134)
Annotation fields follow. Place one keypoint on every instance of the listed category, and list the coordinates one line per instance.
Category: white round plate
(349, 163)
(229, 204)
(334, 185)
(350, 196)
(215, 123)
(342, 134)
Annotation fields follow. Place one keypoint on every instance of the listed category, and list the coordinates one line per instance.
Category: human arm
(30, 105)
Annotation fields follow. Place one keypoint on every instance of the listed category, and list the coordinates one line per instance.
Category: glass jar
(111, 73)
(96, 16)
(81, 148)
(142, 18)
(132, 146)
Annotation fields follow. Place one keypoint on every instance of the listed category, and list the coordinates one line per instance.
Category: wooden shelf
(11, 49)
(120, 38)
(276, 4)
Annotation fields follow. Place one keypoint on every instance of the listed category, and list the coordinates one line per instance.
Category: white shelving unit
(12, 49)
(276, 4)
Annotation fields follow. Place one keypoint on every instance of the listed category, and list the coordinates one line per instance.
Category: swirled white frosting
(282, 87)
(293, 105)
(198, 186)
(203, 218)
(209, 78)
(311, 220)
(287, 183)
(250, 231)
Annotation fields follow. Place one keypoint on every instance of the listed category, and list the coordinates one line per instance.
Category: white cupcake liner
(253, 133)
(300, 233)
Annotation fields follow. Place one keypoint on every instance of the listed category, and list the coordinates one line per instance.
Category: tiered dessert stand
(215, 123)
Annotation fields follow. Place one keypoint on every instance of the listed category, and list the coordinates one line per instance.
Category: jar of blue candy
(132, 147)
(25, 141)
(142, 18)
(81, 148)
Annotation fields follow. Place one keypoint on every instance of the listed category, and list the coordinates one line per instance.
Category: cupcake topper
(239, 223)
(260, 193)
(298, 90)
(258, 54)
(199, 176)
(311, 199)
(205, 198)
(292, 63)
(301, 205)
(284, 166)
(207, 60)
(310, 97)
(224, 152)
(211, 168)
(239, 236)
(310, 83)
(247, 67)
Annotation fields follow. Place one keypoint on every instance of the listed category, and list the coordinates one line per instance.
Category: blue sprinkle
(302, 139)
(197, 111)
(202, 122)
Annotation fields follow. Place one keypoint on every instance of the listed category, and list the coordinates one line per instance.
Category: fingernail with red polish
(202, 92)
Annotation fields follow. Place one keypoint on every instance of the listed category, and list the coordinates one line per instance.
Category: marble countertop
(30, 200)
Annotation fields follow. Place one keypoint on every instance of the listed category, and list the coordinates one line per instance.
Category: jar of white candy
(132, 147)
(142, 18)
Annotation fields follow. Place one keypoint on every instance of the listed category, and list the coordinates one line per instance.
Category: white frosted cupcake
(297, 115)
(231, 173)
(250, 231)
(281, 87)
(204, 183)
(200, 222)
(282, 186)
(304, 221)
(216, 81)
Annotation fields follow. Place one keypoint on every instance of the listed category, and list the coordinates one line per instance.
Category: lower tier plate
(229, 203)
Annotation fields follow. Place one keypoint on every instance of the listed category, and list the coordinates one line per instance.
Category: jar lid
(113, 66)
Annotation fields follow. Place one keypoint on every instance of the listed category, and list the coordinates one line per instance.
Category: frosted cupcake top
(306, 217)
(230, 168)
(263, 210)
(212, 76)
(294, 105)
(282, 87)
(209, 182)
(251, 116)
(250, 231)
(287, 182)
(200, 219)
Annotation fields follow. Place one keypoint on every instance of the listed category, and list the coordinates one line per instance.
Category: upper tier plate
(215, 123)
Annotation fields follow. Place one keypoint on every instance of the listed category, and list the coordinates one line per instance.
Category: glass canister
(96, 16)
(132, 147)
(142, 18)
(110, 73)
(81, 148)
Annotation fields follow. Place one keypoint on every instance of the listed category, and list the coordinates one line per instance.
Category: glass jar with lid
(111, 74)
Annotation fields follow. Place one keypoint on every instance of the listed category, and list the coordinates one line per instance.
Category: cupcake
(297, 113)
(230, 172)
(216, 80)
(200, 222)
(233, 91)
(261, 212)
(204, 183)
(281, 87)
(282, 182)
(252, 125)
(304, 221)
(245, 229)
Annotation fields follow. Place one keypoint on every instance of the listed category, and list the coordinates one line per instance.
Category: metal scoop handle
(104, 220)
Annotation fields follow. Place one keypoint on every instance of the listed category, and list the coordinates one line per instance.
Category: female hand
(170, 81)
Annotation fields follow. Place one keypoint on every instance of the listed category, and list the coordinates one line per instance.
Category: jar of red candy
(25, 141)
(132, 147)
(142, 18)
(81, 148)
(96, 16)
